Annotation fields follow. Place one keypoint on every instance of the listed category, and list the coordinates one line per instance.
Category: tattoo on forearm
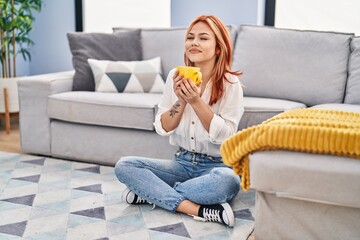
(174, 108)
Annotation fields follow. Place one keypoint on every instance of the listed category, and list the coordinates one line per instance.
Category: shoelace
(140, 200)
(212, 215)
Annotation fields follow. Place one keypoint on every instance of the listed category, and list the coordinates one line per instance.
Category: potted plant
(16, 22)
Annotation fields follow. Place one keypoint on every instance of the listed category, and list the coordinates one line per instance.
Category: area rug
(47, 198)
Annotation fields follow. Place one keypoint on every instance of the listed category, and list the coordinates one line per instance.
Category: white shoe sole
(229, 214)
(125, 194)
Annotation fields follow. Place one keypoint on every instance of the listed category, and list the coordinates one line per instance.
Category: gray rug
(46, 198)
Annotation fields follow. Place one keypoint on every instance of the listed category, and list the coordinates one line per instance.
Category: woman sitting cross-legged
(197, 119)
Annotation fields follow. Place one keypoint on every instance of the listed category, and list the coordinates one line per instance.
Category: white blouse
(190, 133)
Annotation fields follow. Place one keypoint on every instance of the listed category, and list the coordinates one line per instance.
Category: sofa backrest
(303, 66)
(352, 95)
(168, 43)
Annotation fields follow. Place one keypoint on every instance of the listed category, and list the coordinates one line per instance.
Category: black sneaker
(130, 197)
(221, 213)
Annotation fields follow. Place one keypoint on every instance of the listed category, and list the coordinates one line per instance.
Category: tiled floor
(45, 198)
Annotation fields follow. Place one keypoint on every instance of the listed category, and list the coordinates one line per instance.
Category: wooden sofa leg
(7, 113)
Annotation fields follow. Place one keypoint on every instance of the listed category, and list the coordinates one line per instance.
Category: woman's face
(200, 44)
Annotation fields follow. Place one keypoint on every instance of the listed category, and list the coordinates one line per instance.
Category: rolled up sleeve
(165, 104)
(158, 126)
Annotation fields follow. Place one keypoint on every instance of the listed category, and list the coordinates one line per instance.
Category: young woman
(197, 119)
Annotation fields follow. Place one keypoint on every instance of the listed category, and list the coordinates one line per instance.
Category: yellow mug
(192, 73)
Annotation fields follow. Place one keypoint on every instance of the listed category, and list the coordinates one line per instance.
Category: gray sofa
(299, 196)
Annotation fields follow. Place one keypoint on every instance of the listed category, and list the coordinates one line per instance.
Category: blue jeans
(196, 177)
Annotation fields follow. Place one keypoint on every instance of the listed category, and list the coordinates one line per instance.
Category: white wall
(100, 17)
(326, 15)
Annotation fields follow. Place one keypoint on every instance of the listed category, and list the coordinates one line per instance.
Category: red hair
(223, 60)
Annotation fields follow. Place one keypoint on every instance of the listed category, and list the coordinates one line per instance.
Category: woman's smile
(194, 50)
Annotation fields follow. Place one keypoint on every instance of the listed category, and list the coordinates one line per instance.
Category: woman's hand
(189, 91)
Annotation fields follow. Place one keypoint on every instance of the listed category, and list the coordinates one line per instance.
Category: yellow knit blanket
(305, 130)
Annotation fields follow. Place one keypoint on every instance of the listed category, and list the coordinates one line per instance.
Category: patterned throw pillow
(125, 46)
(127, 76)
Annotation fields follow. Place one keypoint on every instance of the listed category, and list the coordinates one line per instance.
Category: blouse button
(193, 150)
(192, 138)
(192, 122)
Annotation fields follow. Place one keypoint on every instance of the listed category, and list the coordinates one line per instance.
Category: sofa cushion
(311, 177)
(168, 43)
(127, 76)
(353, 84)
(126, 110)
(302, 66)
(258, 110)
(102, 46)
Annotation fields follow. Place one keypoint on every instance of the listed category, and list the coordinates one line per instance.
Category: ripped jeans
(196, 177)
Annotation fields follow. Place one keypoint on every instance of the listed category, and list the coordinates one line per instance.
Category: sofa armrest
(33, 100)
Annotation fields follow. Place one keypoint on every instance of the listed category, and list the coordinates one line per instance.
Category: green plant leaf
(16, 22)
